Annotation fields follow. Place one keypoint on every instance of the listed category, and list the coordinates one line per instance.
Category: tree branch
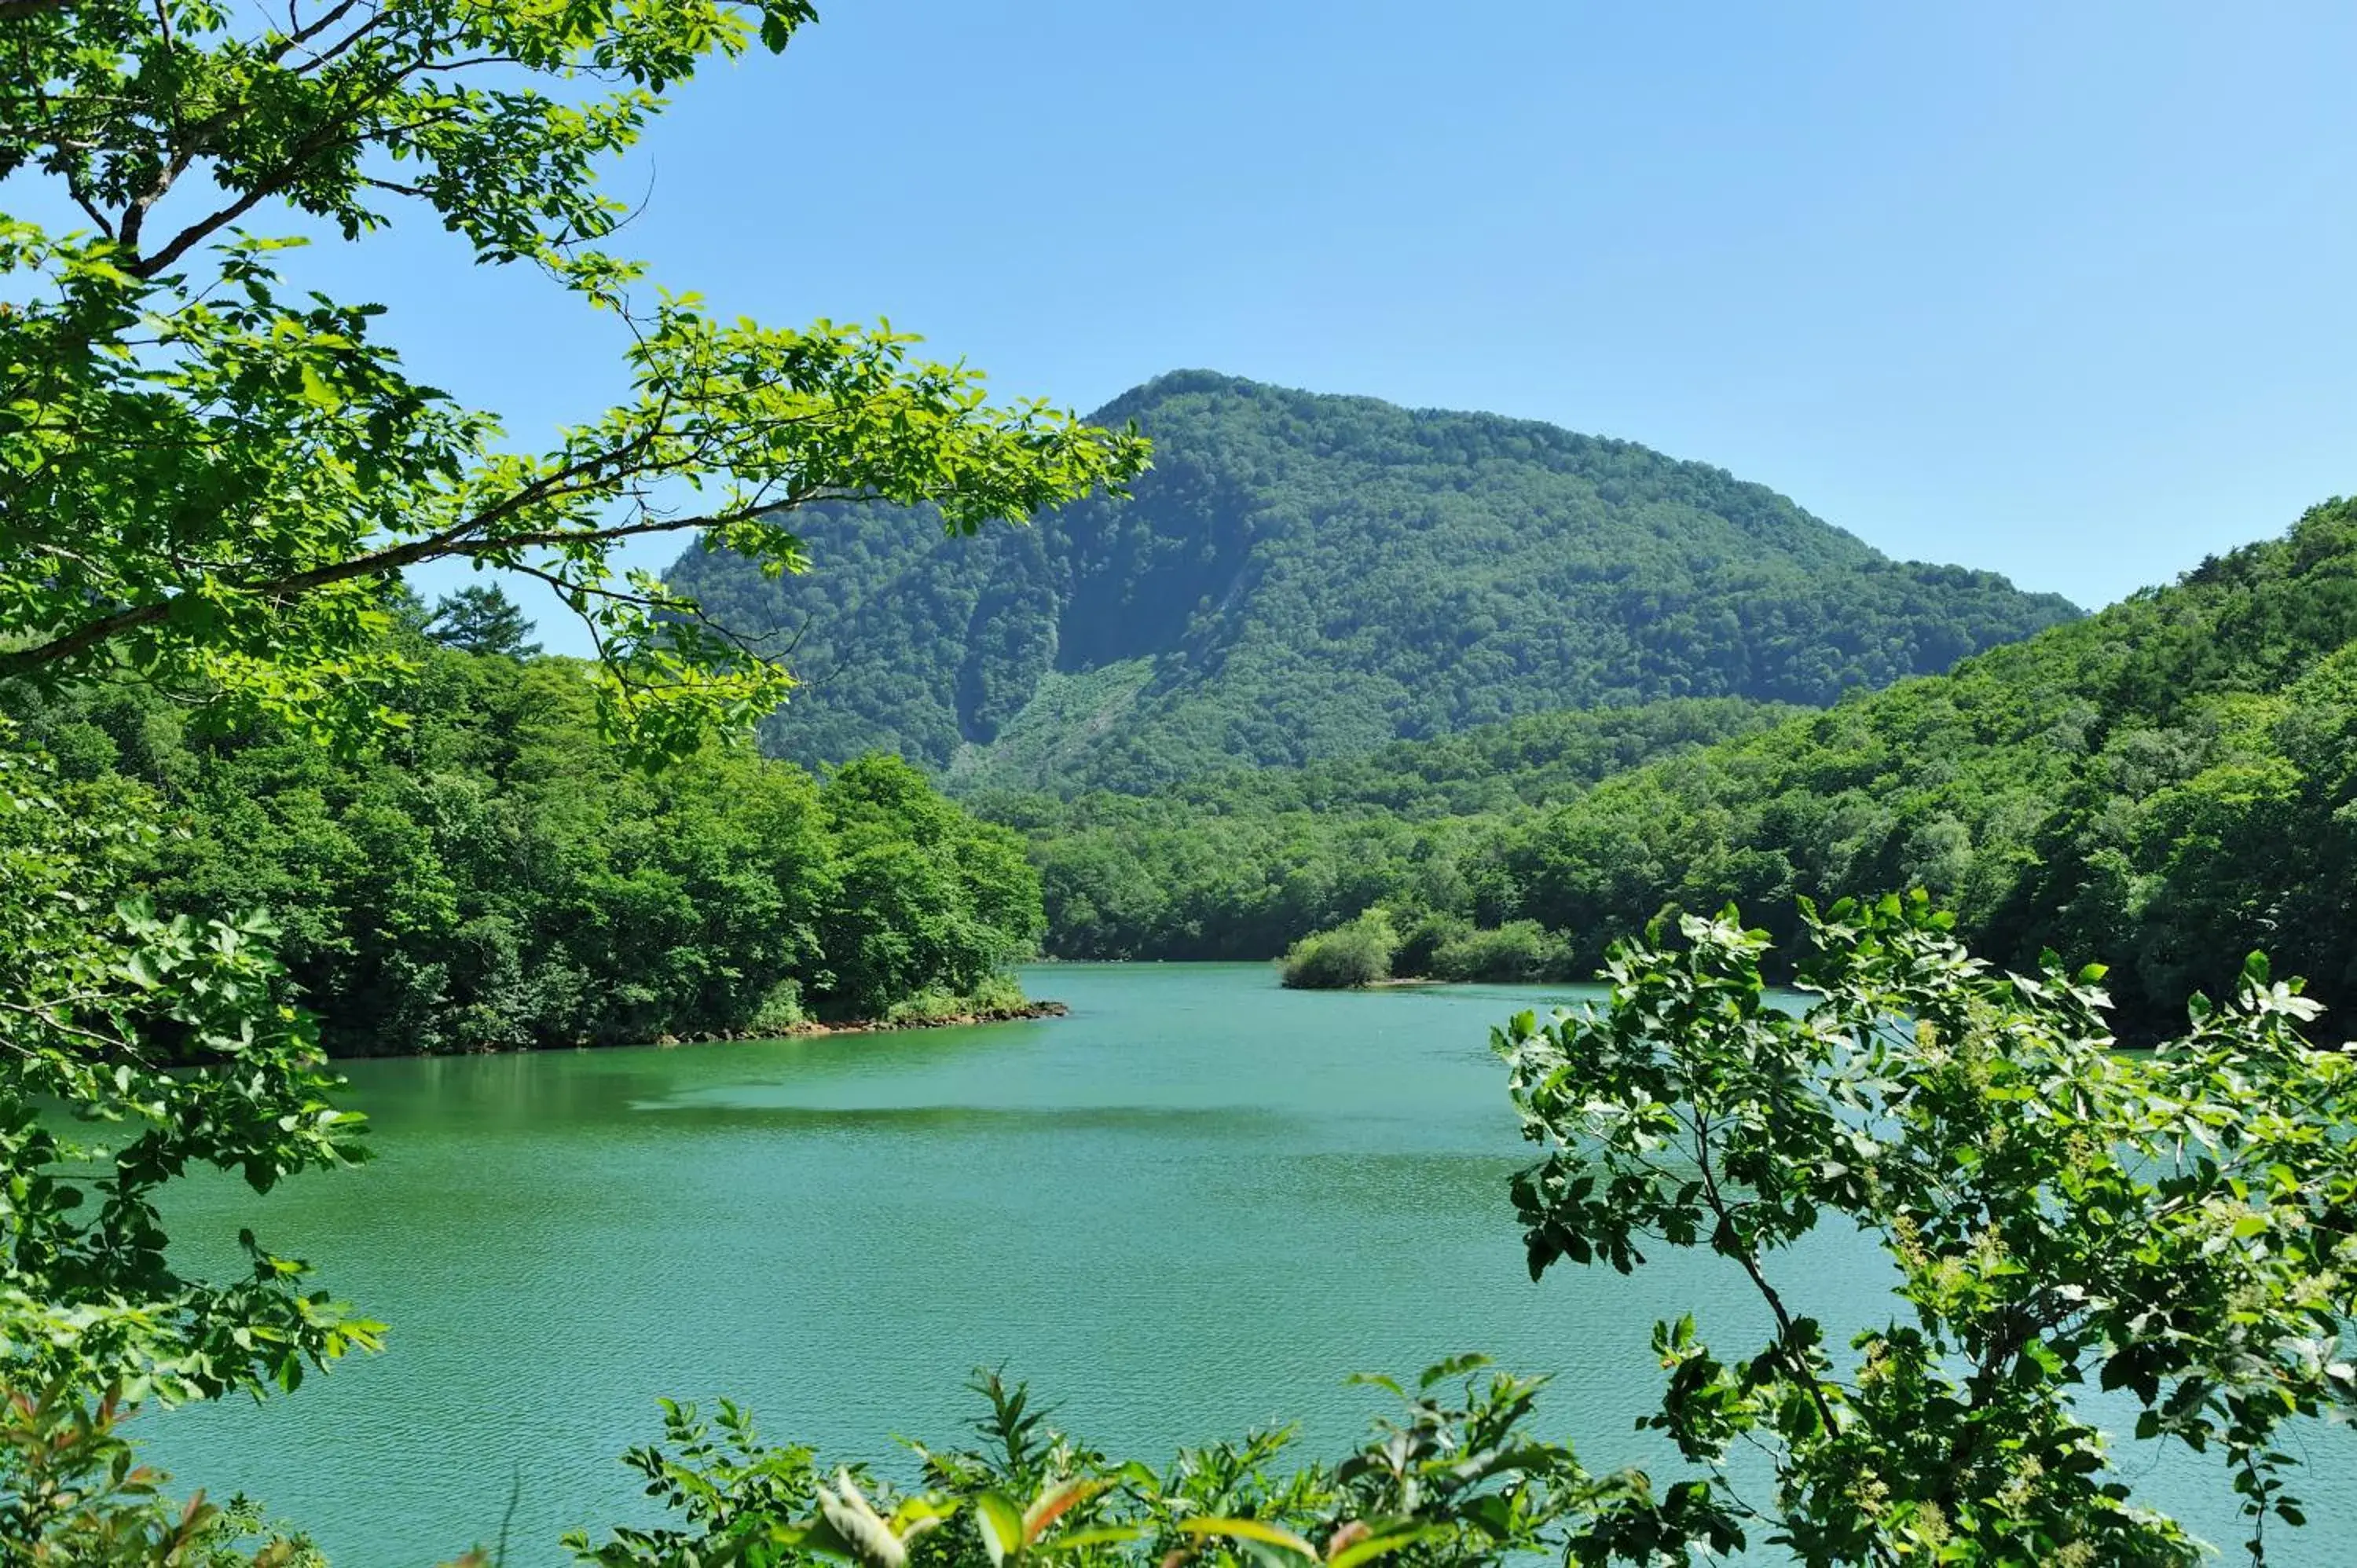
(451, 542)
(325, 135)
(1768, 1293)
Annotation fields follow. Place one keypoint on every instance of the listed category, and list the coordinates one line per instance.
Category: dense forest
(492, 875)
(2165, 785)
(1302, 577)
(1241, 863)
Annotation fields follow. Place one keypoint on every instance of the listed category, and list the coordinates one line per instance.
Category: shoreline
(812, 1029)
(809, 1029)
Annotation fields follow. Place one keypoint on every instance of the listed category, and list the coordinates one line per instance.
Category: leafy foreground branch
(208, 472)
(133, 1050)
(1456, 1478)
(2176, 1228)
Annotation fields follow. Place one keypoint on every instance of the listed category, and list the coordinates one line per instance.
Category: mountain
(1305, 576)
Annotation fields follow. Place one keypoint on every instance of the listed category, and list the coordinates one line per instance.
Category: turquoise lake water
(1191, 1207)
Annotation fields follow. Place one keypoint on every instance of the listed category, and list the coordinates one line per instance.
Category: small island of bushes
(1378, 947)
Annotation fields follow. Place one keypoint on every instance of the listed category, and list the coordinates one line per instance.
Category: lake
(1193, 1206)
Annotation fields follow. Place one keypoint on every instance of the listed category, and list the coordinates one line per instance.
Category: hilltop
(1304, 576)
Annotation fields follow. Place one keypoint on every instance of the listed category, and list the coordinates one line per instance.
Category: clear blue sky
(2065, 291)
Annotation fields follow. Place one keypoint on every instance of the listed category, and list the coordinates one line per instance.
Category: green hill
(2164, 787)
(1304, 577)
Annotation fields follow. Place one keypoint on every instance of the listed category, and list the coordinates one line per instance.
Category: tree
(206, 480)
(2177, 1228)
(209, 482)
(482, 620)
(924, 894)
(1354, 954)
(98, 998)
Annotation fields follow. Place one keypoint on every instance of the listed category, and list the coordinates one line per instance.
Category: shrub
(1358, 953)
(1424, 939)
(780, 1008)
(1517, 951)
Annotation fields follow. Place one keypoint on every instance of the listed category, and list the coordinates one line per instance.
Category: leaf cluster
(1457, 1479)
(208, 473)
(136, 1047)
(2060, 1218)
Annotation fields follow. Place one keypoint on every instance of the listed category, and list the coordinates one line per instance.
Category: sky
(2061, 291)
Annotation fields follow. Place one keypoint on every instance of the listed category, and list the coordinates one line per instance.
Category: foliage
(492, 875)
(1304, 577)
(1370, 948)
(1456, 1480)
(2176, 1228)
(210, 480)
(2164, 784)
(1358, 953)
(994, 996)
(206, 475)
(73, 1496)
(1517, 952)
(98, 995)
(925, 896)
(1243, 862)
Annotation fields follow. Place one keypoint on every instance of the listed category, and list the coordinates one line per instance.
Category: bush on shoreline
(1347, 957)
(1517, 952)
(1371, 949)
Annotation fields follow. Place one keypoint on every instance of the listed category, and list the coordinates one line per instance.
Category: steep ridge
(1305, 576)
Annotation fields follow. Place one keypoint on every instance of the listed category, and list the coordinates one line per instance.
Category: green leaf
(1250, 1529)
(1099, 1535)
(1369, 1548)
(318, 392)
(1455, 1366)
(1000, 1525)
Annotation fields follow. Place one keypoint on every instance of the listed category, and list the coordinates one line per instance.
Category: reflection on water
(1189, 1208)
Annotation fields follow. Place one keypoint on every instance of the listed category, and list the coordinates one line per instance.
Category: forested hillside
(1239, 863)
(2164, 786)
(494, 875)
(1302, 577)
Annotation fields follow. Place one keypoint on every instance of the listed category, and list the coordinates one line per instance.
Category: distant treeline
(2166, 785)
(1241, 864)
(494, 877)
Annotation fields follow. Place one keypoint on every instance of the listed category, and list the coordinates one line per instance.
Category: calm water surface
(1189, 1208)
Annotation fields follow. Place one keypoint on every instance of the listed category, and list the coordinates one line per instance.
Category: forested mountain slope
(1304, 577)
(2164, 787)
